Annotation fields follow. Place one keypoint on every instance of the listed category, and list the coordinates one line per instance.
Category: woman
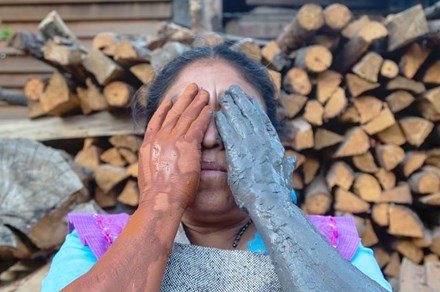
(210, 161)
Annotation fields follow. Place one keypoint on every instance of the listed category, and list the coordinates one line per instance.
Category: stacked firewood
(359, 101)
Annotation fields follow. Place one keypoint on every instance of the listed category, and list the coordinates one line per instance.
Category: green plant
(5, 32)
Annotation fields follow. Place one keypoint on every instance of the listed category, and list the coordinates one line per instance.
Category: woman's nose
(212, 137)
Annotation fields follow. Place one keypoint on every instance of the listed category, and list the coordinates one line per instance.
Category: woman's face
(214, 199)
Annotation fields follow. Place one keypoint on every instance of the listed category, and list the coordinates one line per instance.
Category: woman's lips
(212, 166)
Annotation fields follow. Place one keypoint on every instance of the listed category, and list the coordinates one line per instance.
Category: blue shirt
(74, 259)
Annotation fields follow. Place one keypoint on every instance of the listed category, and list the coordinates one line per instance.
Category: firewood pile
(359, 101)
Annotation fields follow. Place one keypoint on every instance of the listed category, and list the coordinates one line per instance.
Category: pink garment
(99, 231)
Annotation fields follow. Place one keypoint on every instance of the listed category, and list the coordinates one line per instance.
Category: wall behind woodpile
(85, 18)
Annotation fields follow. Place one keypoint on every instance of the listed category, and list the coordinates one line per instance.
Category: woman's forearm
(137, 259)
(303, 260)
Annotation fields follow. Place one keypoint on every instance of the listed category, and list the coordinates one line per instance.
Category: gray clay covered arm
(259, 175)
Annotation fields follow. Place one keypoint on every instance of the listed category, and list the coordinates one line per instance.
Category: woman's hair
(254, 73)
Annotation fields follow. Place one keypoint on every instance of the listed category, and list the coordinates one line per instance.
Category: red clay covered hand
(170, 156)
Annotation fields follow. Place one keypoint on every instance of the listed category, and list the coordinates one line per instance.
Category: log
(400, 194)
(431, 258)
(357, 85)
(57, 98)
(369, 237)
(113, 157)
(382, 256)
(91, 99)
(348, 202)
(404, 222)
(435, 246)
(133, 51)
(118, 93)
(432, 74)
(368, 107)
(416, 129)
(399, 100)
(335, 104)
(106, 42)
(331, 42)
(128, 155)
(310, 168)
(325, 138)
(130, 194)
(106, 199)
(389, 156)
(337, 16)
(307, 21)
(409, 250)
(34, 88)
(425, 241)
(63, 55)
(413, 161)
(393, 267)
(102, 67)
(313, 113)
(130, 142)
(412, 277)
(300, 159)
(433, 157)
(392, 135)
(274, 56)
(132, 170)
(297, 81)
(365, 162)
(389, 69)
(380, 214)
(431, 200)
(433, 98)
(369, 66)
(53, 25)
(89, 157)
(350, 115)
(249, 47)
(367, 187)
(355, 142)
(314, 59)
(318, 198)
(406, 26)
(425, 181)
(406, 84)
(384, 120)
(144, 72)
(327, 83)
(303, 134)
(412, 59)
(297, 181)
(340, 174)
(353, 28)
(108, 176)
(386, 178)
(275, 77)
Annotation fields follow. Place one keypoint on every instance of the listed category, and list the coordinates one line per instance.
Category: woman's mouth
(212, 166)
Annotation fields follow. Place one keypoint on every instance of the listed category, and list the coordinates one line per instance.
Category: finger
(233, 114)
(180, 105)
(226, 131)
(198, 128)
(261, 113)
(191, 113)
(244, 103)
(157, 120)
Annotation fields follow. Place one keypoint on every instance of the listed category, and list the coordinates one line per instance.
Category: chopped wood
(389, 69)
(130, 194)
(435, 246)
(318, 198)
(369, 237)
(105, 199)
(129, 52)
(89, 157)
(355, 142)
(57, 98)
(368, 107)
(348, 202)
(297, 81)
(132, 170)
(431, 258)
(433, 157)
(433, 98)
(425, 241)
(118, 93)
(409, 250)
(302, 134)
(299, 157)
(392, 135)
(350, 115)
(381, 214)
(275, 77)
(34, 88)
(393, 267)
(131, 142)
(337, 16)
(413, 161)
(327, 83)
(307, 21)
(63, 55)
(400, 194)
(340, 174)
(382, 256)
(292, 103)
(367, 187)
(413, 58)
(355, 26)
(432, 75)
(102, 67)
(365, 162)
(386, 178)
(389, 155)
(163, 55)
(249, 47)
(432, 199)
(314, 59)
(331, 42)
(406, 26)
(369, 66)
(325, 138)
(404, 222)
(416, 129)
(106, 42)
(310, 168)
(313, 113)
(297, 181)
(412, 277)
(425, 181)
(144, 72)
(384, 120)
(406, 84)
(273, 55)
(357, 85)
(336, 104)
(108, 176)
(113, 157)
(399, 100)
(128, 155)
(35, 110)
(91, 99)
(53, 25)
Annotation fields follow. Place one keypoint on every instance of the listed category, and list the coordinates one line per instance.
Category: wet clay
(169, 173)
(259, 175)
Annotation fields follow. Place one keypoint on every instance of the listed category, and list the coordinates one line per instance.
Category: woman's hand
(257, 165)
(170, 156)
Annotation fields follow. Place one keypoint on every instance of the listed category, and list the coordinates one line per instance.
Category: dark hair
(147, 100)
